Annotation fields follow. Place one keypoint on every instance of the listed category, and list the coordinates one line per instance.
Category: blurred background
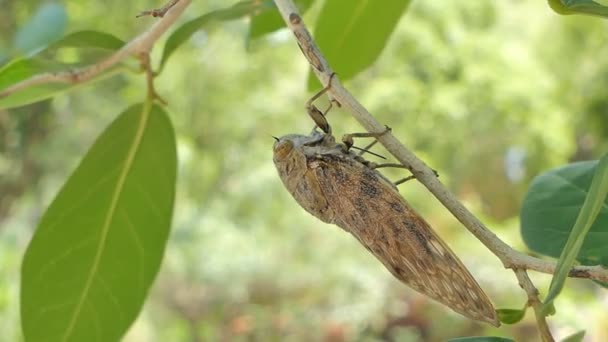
(488, 93)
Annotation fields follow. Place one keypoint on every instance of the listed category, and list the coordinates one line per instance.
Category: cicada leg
(315, 114)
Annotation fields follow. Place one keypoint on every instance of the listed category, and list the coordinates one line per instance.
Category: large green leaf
(267, 21)
(352, 33)
(98, 247)
(550, 210)
(184, 32)
(589, 7)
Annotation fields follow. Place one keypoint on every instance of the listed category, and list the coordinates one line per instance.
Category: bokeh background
(489, 93)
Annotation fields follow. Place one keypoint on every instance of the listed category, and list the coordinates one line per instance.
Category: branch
(138, 46)
(535, 302)
(507, 255)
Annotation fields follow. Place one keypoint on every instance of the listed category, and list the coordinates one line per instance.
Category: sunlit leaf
(186, 30)
(589, 7)
(510, 316)
(550, 210)
(269, 20)
(46, 26)
(352, 33)
(98, 247)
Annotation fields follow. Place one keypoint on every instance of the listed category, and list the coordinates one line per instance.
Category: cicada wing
(378, 216)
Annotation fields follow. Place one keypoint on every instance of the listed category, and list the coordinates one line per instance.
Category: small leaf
(352, 33)
(589, 7)
(576, 337)
(550, 210)
(184, 32)
(89, 39)
(46, 26)
(98, 247)
(593, 203)
(510, 316)
(269, 20)
(481, 339)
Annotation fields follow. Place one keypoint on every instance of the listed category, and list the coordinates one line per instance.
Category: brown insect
(338, 186)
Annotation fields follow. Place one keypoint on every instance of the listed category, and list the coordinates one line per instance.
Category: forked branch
(508, 256)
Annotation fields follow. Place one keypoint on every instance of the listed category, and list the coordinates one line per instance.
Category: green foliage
(589, 7)
(453, 74)
(511, 316)
(352, 33)
(98, 247)
(89, 39)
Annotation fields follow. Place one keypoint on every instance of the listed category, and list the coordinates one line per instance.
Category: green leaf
(89, 39)
(184, 32)
(25, 68)
(22, 69)
(352, 33)
(47, 25)
(576, 337)
(590, 7)
(481, 339)
(270, 20)
(593, 203)
(98, 247)
(550, 210)
(510, 316)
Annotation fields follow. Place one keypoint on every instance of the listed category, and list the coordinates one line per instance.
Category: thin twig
(159, 12)
(509, 257)
(536, 304)
(138, 45)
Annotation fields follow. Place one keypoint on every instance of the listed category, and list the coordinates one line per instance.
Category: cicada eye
(282, 148)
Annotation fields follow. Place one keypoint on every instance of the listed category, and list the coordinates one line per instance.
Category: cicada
(340, 187)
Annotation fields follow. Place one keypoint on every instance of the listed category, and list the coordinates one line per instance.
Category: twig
(509, 257)
(159, 12)
(536, 304)
(138, 45)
